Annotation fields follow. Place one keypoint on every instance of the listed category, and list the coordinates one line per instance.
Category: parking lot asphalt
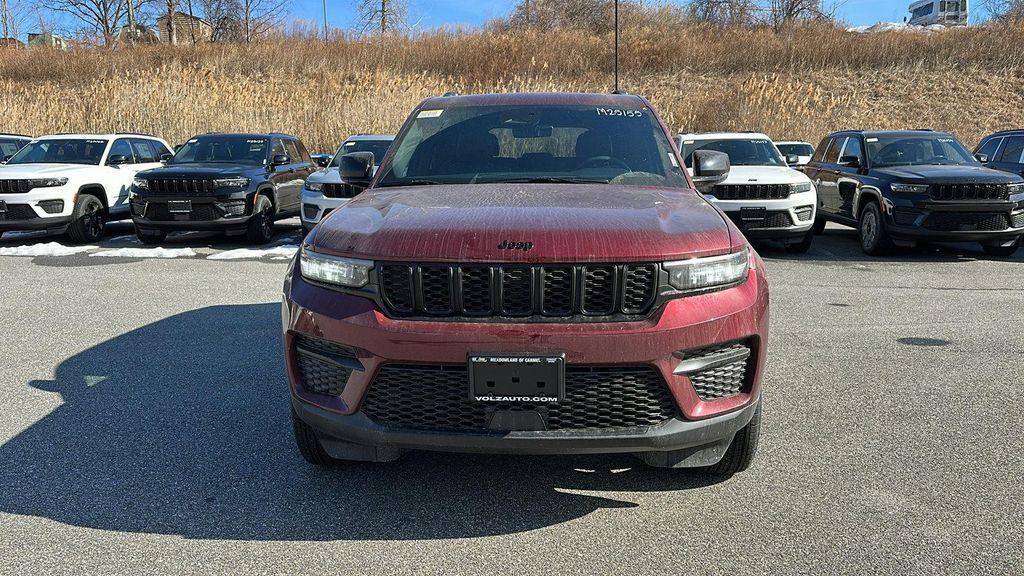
(145, 430)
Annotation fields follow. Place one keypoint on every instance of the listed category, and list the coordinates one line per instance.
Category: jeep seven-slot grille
(510, 290)
(14, 186)
(172, 186)
(751, 191)
(969, 191)
(437, 398)
(334, 190)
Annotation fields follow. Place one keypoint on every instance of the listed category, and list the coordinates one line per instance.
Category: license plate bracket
(179, 206)
(516, 378)
(753, 214)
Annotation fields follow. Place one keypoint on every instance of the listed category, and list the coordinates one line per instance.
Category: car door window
(832, 156)
(853, 148)
(146, 151)
(277, 148)
(303, 153)
(989, 148)
(822, 148)
(121, 147)
(292, 151)
(1013, 150)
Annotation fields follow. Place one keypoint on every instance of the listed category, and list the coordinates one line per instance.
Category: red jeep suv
(531, 274)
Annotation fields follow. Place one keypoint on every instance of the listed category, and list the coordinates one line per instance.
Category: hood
(946, 175)
(325, 175)
(200, 170)
(764, 175)
(562, 223)
(43, 170)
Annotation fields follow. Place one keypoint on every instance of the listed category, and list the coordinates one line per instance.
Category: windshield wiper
(410, 183)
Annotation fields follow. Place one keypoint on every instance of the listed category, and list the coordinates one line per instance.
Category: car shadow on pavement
(841, 245)
(181, 427)
(121, 234)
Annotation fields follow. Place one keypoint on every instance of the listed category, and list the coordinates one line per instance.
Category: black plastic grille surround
(772, 219)
(20, 212)
(324, 367)
(433, 397)
(185, 186)
(158, 211)
(12, 186)
(723, 380)
(752, 191)
(969, 191)
(966, 221)
(335, 190)
(518, 291)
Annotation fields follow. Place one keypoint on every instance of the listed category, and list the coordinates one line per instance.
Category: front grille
(19, 212)
(751, 191)
(437, 398)
(969, 192)
(518, 291)
(339, 191)
(324, 367)
(14, 186)
(158, 211)
(966, 222)
(772, 219)
(1018, 220)
(181, 186)
(720, 379)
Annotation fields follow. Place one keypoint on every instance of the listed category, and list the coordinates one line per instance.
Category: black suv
(915, 186)
(1003, 151)
(236, 183)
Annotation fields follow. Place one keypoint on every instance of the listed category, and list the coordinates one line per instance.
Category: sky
(433, 13)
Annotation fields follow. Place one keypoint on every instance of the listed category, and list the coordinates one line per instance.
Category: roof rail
(448, 94)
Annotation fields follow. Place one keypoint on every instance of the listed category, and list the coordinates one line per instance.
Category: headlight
(703, 273)
(909, 188)
(334, 270)
(314, 186)
(46, 182)
(141, 183)
(230, 182)
(1015, 188)
(801, 187)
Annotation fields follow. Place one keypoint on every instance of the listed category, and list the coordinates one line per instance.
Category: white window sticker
(429, 113)
(672, 158)
(624, 113)
(349, 144)
(871, 140)
(689, 142)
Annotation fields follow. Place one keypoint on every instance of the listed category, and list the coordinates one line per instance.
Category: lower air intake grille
(772, 219)
(966, 222)
(437, 398)
(1018, 220)
(20, 212)
(310, 211)
(724, 378)
(324, 367)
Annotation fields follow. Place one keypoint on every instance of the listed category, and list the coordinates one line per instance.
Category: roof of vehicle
(919, 132)
(363, 137)
(104, 136)
(725, 136)
(536, 99)
(792, 143)
(247, 134)
(1005, 132)
(7, 135)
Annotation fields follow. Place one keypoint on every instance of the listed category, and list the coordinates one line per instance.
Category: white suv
(797, 153)
(324, 191)
(762, 195)
(74, 183)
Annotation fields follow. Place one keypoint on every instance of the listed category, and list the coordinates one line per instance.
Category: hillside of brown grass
(799, 84)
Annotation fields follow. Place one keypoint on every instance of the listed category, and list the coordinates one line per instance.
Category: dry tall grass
(800, 84)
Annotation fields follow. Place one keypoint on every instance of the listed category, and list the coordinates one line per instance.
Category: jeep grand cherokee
(528, 273)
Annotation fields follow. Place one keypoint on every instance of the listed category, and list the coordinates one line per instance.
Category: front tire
(88, 220)
(874, 238)
(261, 224)
(1000, 251)
(819, 225)
(308, 444)
(741, 452)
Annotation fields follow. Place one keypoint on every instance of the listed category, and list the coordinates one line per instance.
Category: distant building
(187, 29)
(143, 35)
(11, 43)
(945, 12)
(47, 40)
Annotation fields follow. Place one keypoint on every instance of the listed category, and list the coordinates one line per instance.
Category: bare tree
(223, 15)
(1011, 10)
(100, 18)
(781, 13)
(13, 16)
(382, 15)
(260, 16)
(724, 12)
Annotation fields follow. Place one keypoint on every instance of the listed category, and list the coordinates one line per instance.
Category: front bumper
(223, 212)
(735, 314)
(316, 206)
(25, 211)
(951, 221)
(786, 219)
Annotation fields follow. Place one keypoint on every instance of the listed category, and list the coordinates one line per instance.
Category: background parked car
(1003, 151)
(915, 185)
(324, 190)
(10, 144)
(321, 160)
(764, 196)
(74, 182)
(234, 183)
(802, 150)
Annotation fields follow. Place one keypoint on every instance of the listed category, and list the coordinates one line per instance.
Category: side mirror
(322, 161)
(165, 158)
(983, 158)
(850, 161)
(117, 160)
(357, 168)
(709, 168)
(279, 160)
(792, 159)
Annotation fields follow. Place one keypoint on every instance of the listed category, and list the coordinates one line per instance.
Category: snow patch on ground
(147, 253)
(47, 249)
(896, 27)
(282, 252)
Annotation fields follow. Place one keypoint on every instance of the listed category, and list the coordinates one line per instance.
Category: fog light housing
(231, 209)
(52, 206)
(803, 213)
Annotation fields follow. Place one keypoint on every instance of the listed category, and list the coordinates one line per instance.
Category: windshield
(580, 144)
(796, 149)
(223, 149)
(8, 146)
(378, 147)
(61, 151)
(753, 152)
(886, 151)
